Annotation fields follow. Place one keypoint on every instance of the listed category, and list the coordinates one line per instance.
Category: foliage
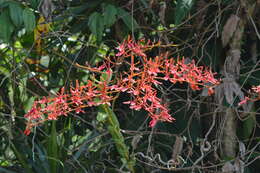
(52, 57)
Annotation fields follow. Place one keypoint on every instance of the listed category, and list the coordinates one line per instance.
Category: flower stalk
(114, 129)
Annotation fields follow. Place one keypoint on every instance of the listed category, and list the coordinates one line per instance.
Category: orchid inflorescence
(139, 80)
(254, 91)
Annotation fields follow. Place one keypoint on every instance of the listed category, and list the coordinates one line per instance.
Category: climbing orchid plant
(140, 79)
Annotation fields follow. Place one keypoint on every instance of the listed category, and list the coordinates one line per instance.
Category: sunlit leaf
(229, 29)
(28, 103)
(3, 170)
(101, 116)
(44, 61)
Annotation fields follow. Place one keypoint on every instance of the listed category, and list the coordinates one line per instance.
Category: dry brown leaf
(229, 29)
(136, 140)
(242, 150)
(177, 148)
(230, 90)
(239, 166)
(46, 8)
(162, 12)
(232, 65)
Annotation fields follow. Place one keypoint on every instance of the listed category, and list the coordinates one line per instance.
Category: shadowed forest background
(47, 44)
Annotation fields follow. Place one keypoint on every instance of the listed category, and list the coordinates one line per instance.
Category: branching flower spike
(144, 73)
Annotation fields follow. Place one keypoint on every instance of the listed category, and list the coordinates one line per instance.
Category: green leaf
(110, 15)
(29, 19)
(16, 13)
(114, 129)
(7, 27)
(101, 116)
(34, 3)
(107, 76)
(182, 9)
(127, 19)
(28, 104)
(3, 3)
(96, 25)
(248, 126)
(92, 135)
(52, 148)
(22, 159)
(4, 71)
(74, 10)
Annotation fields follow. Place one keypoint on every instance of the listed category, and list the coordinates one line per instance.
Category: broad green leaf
(28, 104)
(3, 3)
(110, 15)
(248, 126)
(34, 3)
(7, 27)
(96, 25)
(29, 19)
(182, 9)
(16, 13)
(128, 19)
